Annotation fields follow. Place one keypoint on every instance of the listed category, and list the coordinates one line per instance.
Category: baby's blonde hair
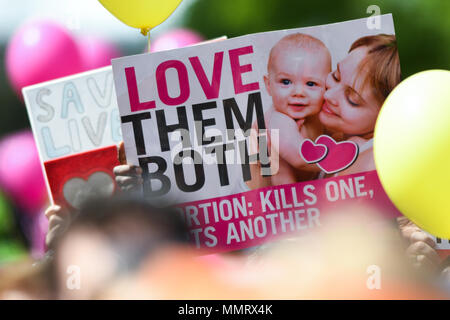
(297, 41)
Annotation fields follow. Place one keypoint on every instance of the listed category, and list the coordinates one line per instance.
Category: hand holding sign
(58, 220)
(128, 177)
(421, 247)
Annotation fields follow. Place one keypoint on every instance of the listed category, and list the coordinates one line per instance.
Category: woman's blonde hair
(381, 65)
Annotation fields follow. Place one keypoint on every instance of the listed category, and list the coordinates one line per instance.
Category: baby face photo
(296, 73)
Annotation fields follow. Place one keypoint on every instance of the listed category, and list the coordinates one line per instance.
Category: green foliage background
(422, 26)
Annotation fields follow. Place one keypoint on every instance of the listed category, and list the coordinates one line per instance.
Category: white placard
(74, 114)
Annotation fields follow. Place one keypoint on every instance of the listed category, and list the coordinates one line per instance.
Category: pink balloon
(175, 39)
(96, 52)
(39, 230)
(41, 51)
(21, 172)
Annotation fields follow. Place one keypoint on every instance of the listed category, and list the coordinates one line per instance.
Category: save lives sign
(76, 125)
(74, 114)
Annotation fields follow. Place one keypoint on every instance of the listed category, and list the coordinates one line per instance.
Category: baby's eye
(286, 82)
(311, 84)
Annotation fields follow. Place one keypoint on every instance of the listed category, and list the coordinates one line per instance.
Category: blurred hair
(131, 227)
(105, 214)
(381, 66)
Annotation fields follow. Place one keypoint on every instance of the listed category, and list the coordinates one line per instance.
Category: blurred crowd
(127, 248)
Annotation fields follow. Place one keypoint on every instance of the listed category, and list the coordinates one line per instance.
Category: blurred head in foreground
(350, 257)
(108, 238)
(127, 249)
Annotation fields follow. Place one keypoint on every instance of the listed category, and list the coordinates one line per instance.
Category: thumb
(121, 153)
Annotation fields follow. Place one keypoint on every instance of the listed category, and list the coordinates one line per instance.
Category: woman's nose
(329, 80)
(330, 96)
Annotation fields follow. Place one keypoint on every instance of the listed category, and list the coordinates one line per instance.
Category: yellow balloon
(141, 14)
(412, 149)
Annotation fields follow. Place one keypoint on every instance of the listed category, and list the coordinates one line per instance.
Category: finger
(418, 248)
(403, 221)
(423, 262)
(131, 187)
(57, 225)
(124, 181)
(407, 228)
(121, 153)
(446, 274)
(52, 210)
(56, 210)
(422, 248)
(127, 170)
(57, 220)
(422, 236)
(54, 233)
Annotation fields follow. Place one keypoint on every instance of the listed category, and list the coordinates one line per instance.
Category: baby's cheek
(317, 99)
(278, 106)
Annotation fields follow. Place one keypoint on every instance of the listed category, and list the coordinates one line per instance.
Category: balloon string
(144, 31)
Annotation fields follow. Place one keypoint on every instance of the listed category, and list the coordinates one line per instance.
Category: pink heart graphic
(340, 155)
(312, 152)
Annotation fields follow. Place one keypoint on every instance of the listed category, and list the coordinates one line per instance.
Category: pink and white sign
(254, 217)
(257, 136)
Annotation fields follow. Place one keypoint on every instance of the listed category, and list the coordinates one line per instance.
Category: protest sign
(255, 136)
(71, 116)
